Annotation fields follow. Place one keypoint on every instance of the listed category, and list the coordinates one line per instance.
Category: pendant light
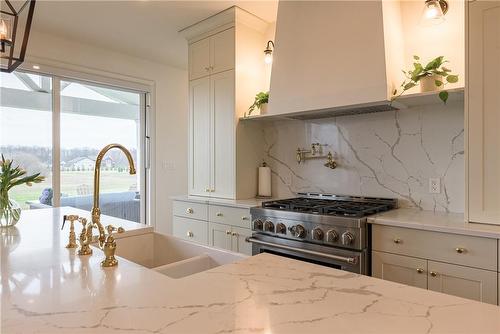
(15, 25)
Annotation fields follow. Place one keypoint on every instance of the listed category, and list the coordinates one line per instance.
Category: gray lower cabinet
(470, 283)
(229, 238)
(400, 269)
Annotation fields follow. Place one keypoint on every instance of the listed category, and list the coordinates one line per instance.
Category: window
(39, 134)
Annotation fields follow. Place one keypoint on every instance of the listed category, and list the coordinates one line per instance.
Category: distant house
(81, 163)
(108, 162)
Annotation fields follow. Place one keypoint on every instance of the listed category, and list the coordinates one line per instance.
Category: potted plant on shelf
(431, 77)
(10, 177)
(261, 100)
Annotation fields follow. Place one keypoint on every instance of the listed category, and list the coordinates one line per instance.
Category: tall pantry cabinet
(226, 70)
(483, 112)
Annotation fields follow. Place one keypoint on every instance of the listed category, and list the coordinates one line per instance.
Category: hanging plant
(433, 76)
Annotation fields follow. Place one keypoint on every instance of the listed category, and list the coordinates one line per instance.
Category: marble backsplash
(389, 154)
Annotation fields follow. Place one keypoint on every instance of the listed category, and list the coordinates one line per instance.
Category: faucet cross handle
(110, 247)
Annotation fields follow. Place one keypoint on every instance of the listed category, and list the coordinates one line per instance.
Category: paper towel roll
(264, 181)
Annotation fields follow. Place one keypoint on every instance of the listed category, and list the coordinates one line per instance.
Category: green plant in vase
(431, 77)
(11, 177)
(261, 100)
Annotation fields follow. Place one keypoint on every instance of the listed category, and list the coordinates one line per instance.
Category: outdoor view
(91, 117)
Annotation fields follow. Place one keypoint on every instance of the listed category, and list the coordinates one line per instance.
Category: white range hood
(331, 58)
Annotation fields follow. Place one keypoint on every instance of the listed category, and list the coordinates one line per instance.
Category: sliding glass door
(84, 118)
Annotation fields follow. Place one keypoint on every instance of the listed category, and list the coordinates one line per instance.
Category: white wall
(170, 101)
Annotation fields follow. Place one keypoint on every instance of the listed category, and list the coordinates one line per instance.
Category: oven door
(338, 258)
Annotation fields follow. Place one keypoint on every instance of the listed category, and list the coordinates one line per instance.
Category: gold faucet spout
(96, 211)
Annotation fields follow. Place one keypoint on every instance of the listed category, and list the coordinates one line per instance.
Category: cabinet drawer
(190, 210)
(230, 216)
(452, 248)
(190, 229)
(400, 269)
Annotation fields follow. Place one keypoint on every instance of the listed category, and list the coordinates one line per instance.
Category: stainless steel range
(329, 230)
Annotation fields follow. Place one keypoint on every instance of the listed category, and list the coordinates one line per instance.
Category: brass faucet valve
(72, 235)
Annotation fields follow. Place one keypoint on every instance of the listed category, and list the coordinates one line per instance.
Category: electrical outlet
(434, 185)
(168, 165)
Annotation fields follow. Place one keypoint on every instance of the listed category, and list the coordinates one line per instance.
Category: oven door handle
(350, 260)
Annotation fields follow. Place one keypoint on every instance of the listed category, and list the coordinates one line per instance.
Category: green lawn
(111, 181)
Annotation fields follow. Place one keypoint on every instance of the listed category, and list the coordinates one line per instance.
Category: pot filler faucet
(107, 244)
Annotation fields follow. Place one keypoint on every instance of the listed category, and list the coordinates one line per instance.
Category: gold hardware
(219, 214)
(398, 241)
(234, 234)
(433, 274)
(330, 162)
(72, 235)
(460, 250)
(244, 218)
(110, 247)
(189, 234)
(107, 244)
(420, 270)
(207, 190)
(189, 210)
(212, 190)
(207, 68)
(228, 232)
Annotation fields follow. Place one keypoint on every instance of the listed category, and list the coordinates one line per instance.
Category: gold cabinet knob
(460, 250)
(228, 232)
(212, 190)
(219, 214)
(433, 274)
(398, 241)
(234, 234)
(420, 270)
(189, 210)
(207, 68)
(189, 234)
(244, 218)
(207, 190)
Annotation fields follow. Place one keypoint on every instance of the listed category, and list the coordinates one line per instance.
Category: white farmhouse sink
(171, 256)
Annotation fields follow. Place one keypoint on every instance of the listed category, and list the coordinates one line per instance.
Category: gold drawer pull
(189, 234)
(189, 210)
(234, 234)
(244, 218)
(398, 241)
(219, 214)
(228, 232)
(460, 250)
(207, 190)
(433, 274)
(420, 270)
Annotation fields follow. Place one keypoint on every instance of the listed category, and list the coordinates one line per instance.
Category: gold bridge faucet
(107, 244)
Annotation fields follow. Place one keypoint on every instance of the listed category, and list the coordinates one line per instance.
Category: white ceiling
(145, 29)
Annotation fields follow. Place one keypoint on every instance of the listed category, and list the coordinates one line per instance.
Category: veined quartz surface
(389, 154)
(47, 288)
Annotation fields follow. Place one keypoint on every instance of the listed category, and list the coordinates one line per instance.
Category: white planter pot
(263, 109)
(428, 84)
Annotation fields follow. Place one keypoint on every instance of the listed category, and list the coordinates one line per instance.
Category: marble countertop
(47, 288)
(238, 203)
(435, 221)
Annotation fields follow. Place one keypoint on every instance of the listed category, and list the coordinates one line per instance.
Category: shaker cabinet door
(222, 51)
(400, 269)
(239, 243)
(483, 87)
(199, 59)
(219, 236)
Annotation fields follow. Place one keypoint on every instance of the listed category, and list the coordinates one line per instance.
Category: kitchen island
(47, 288)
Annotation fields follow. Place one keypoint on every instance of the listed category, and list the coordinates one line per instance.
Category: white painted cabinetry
(483, 112)
(220, 226)
(459, 265)
(226, 70)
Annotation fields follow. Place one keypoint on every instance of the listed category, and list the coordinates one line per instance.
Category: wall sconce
(268, 52)
(434, 11)
(14, 32)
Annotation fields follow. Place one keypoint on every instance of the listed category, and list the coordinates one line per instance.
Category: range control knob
(347, 238)
(269, 226)
(258, 225)
(280, 228)
(332, 236)
(298, 231)
(317, 234)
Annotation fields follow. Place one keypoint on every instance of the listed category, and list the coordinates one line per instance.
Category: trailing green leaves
(260, 99)
(433, 68)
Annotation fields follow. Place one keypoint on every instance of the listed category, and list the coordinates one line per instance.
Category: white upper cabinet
(483, 112)
(212, 54)
(199, 59)
(226, 70)
(222, 51)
